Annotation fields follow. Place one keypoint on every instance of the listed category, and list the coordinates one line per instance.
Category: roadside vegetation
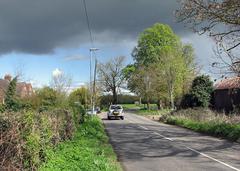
(153, 112)
(49, 123)
(194, 113)
(88, 150)
(206, 121)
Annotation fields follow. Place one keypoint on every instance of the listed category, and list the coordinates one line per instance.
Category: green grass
(134, 106)
(89, 150)
(152, 112)
(131, 106)
(214, 128)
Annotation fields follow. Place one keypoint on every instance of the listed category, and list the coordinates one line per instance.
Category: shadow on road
(131, 142)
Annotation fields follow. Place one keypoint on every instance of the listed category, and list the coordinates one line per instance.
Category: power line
(88, 22)
(92, 51)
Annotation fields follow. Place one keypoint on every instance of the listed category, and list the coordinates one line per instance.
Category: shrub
(26, 136)
(200, 93)
(46, 99)
(12, 103)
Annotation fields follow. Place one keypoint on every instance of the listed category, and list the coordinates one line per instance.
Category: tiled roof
(229, 83)
(23, 89)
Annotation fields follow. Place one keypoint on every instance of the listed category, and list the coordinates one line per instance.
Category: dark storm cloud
(41, 26)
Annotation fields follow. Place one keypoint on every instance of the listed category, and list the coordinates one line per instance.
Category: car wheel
(109, 118)
(122, 117)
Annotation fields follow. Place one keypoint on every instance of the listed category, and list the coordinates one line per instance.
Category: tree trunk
(172, 100)
(159, 104)
(115, 100)
(148, 103)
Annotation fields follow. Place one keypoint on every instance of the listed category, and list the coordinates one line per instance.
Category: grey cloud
(41, 26)
(75, 58)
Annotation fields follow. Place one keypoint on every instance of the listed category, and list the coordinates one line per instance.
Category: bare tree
(111, 76)
(220, 19)
(61, 82)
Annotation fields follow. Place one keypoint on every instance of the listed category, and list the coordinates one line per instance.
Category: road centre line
(143, 127)
(209, 157)
(203, 154)
(189, 148)
(163, 136)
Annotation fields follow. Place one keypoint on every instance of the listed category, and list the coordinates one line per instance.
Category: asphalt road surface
(145, 145)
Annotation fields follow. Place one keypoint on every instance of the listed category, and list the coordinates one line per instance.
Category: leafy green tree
(200, 93)
(152, 42)
(81, 96)
(202, 88)
(166, 61)
(11, 100)
(172, 71)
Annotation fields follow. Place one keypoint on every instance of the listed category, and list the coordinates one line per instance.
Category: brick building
(23, 89)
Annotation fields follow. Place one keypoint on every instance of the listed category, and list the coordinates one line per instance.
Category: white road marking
(163, 136)
(143, 127)
(203, 154)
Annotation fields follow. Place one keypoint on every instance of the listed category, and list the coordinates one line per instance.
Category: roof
(229, 83)
(3, 85)
(23, 89)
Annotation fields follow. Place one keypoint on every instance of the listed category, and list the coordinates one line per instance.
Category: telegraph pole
(92, 84)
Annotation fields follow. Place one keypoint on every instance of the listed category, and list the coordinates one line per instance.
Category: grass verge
(215, 126)
(88, 150)
(138, 107)
(152, 112)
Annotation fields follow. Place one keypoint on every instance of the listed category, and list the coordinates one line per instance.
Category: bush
(200, 93)
(26, 136)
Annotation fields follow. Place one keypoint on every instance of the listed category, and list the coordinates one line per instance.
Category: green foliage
(88, 150)
(219, 129)
(81, 96)
(200, 93)
(128, 70)
(11, 101)
(153, 112)
(78, 101)
(79, 113)
(46, 98)
(122, 99)
(205, 121)
(2, 108)
(163, 66)
(152, 42)
(27, 136)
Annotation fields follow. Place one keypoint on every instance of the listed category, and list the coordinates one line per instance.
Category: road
(145, 145)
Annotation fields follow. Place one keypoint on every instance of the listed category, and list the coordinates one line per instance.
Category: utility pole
(92, 86)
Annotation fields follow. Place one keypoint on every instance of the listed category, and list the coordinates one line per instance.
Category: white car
(115, 111)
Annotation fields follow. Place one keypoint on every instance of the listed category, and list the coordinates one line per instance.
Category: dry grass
(206, 121)
(206, 115)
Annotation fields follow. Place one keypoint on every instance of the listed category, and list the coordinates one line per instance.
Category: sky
(40, 38)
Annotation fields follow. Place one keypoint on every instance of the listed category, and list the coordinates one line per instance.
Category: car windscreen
(115, 107)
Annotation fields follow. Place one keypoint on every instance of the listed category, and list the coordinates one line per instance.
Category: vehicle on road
(115, 111)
